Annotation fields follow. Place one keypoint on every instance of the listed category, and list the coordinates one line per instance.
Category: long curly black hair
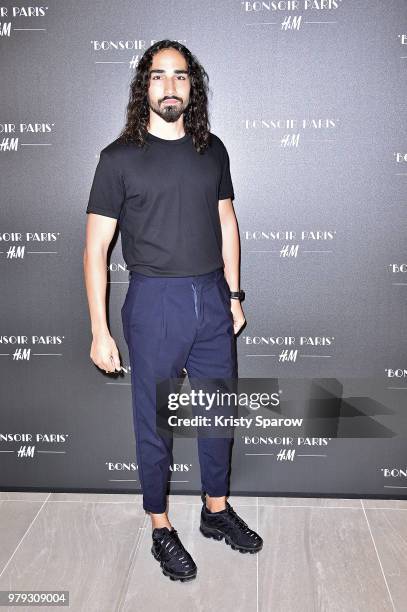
(196, 120)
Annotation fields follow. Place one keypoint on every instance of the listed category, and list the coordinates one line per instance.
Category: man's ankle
(215, 504)
(159, 520)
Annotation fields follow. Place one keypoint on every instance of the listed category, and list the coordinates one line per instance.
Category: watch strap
(237, 295)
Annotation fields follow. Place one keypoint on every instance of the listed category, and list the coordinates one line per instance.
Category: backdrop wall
(309, 99)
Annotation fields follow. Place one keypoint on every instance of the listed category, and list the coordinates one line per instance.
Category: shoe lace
(236, 517)
(172, 547)
(239, 521)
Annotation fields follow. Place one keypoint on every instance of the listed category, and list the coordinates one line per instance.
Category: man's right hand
(104, 353)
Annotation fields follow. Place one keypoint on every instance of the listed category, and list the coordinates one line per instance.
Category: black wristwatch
(237, 295)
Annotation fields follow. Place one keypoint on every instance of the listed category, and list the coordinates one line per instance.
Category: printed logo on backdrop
(28, 445)
(14, 19)
(288, 349)
(394, 477)
(400, 158)
(291, 243)
(24, 348)
(399, 271)
(17, 245)
(287, 132)
(122, 51)
(117, 270)
(289, 15)
(16, 135)
(403, 41)
(286, 448)
(129, 467)
(400, 373)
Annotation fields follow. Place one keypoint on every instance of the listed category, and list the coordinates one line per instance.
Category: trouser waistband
(198, 280)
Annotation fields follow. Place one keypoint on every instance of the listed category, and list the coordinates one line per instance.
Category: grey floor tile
(319, 502)
(96, 497)
(226, 579)
(319, 559)
(85, 548)
(196, 499)
(15, 519)
(400, 504)
(242, 500)
(389, 533)
(23, 496)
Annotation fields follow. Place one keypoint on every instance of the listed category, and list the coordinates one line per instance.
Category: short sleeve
(225, 185)
(107, 192)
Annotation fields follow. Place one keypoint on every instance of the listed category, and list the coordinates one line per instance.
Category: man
(166, 180)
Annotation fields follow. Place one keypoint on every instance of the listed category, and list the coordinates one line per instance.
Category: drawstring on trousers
(199, 306)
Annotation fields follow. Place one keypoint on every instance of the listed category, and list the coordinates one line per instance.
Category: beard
(168, 112)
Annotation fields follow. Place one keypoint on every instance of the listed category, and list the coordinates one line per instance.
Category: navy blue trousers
(171, 323)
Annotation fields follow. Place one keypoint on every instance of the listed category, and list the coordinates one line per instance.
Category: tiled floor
(333, 555)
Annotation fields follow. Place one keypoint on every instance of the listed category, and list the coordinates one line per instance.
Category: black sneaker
(227, 524)
(168, 549)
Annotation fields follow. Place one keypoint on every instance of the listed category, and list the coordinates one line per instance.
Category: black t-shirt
(165, 196)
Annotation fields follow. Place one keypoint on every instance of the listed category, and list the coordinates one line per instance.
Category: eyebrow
(176, 71)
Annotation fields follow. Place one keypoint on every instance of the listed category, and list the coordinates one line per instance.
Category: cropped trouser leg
(170, 323)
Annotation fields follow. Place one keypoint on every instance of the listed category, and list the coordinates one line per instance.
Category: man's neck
(168, 131)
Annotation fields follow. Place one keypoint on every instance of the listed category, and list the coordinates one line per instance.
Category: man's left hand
(238, 316)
